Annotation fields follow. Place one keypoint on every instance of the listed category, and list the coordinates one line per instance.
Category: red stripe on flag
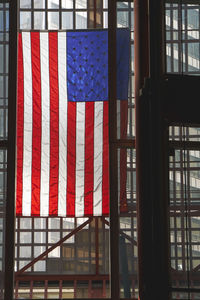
(36, 138)
(20, 128)
(123, 155)
(105, 179)
(71, 158)
(54, 123)
(89, 158)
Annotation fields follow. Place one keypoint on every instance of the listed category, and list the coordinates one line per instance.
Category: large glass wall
(183, 57)
(79, 267)
(182, 37)
(184, 181)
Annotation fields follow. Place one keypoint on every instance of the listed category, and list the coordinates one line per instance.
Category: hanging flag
(62, 121)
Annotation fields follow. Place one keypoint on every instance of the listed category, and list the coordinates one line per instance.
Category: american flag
(62, 121)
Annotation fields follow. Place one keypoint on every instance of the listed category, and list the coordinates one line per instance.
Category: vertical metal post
(45, 289)
(60, 289)
(10, 201)
(141, 45)
(151, 151)
(114, 221)
(141, 48)
(97, 245)
(31, 289)
(75, 289)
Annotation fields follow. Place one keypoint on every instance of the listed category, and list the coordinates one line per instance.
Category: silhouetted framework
(97, 257)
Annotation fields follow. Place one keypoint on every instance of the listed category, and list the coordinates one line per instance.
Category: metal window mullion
(74, 15)
(189, 206)
(186, 42)
(180, 36)
(171, 38)
(60, 15)
(174, 217)
(182, 213)
(46, 15)
(32, 242)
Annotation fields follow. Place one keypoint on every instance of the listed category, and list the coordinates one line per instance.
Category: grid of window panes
(184, 179)
(4, 27)
(182, 38)
(34, 235)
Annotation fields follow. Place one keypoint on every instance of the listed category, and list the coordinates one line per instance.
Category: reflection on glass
(184, 182)
(81, 4)
(67, 20)
(53, 4)
(25, 3)
(39, 20)
(39, 3)
(182, 26)
(81, 20)
(25, 20)
(67, 4)
(122, 19)
(1, 21)
(53, 20)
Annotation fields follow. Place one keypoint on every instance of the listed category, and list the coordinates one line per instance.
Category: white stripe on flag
(98, 160)
(45, 143)
(80, 158)
(62, 80)
(27, 148)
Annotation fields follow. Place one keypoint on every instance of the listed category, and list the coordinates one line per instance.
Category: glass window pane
(25, 223)
(54, 4)
(25, 20)
(1, 58)
(39, 223)
(122, 19)
(39, 267)
(53, 20)
(193, 18)
(67, 20)
(39, 20)
(25, 237)
(7, 20)
(53, 237)
(67, 4)
(105, 3)
(39, 3)
(81, 4)
(54, 223)
(1, 86)
(25, 3)
(81, 20)
(39, 237)
(1, 20)
(6, 57)
(38, 250)
(25, 251)
(105, 19)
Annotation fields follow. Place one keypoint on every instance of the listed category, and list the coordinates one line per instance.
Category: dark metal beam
(112, 96)
(10, 201)
(184, 145)
(151, 152)
(68, 277)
